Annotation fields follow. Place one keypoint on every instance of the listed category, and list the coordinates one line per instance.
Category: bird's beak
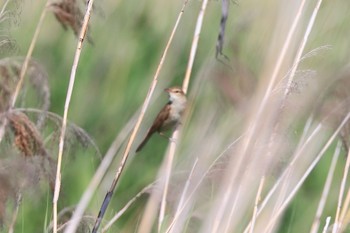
(167, 90)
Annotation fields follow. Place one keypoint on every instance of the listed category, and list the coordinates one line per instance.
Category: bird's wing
(157, 125)
(160, 119)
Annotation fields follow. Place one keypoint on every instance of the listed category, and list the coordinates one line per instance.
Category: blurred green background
(115, 72)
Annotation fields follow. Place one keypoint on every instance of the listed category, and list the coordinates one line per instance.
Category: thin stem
(28, 56)
(290, 165)
(194, 46)
(66, 108)
(337, 223)
(99, 174)
(301, 49)
(15, 213)
(179, 211)
(327, 186)
(130, 202)
(184, 192)
(168, 168)
(257, 199)
(345, 209)
(306, 174)
(4, 7)
(325, 228)
(24, 67)
(251, 131)
(232, 208)
(170, 156)
(145, 105)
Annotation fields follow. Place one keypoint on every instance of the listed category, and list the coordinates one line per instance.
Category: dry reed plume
(27, 138)
(24, 146)
(69, 13)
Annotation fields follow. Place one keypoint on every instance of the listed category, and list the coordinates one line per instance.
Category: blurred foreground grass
(115, 71)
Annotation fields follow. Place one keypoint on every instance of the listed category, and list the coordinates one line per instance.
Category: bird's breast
(175, 113)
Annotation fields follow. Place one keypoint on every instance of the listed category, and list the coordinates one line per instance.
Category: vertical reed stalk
(66, 108)
(145, 105)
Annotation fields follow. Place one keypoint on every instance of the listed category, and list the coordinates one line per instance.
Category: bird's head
(175, 93)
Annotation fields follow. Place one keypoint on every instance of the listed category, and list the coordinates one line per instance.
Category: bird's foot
(169, 138)
(172, 140)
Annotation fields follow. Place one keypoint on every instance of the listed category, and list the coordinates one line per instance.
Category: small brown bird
(169, 116)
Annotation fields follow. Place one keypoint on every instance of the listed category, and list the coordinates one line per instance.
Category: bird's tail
(143, 143)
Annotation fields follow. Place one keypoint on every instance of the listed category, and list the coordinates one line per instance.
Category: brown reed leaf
(27, 137)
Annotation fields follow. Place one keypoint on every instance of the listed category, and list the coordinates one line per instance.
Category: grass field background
(114, 74)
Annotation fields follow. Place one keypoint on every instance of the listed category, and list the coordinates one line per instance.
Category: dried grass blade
(172, 147)
(96, 179)
(137, 126)
(307, 172)
(337, 223)
(66, 108)
(24, 68)
(320, 208)
(130, 202)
